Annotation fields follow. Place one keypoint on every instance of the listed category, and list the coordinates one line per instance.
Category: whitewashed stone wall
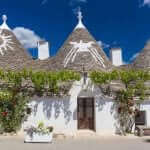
(106, 122)
(62, 112)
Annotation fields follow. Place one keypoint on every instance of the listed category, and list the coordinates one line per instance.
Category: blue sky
(124, 23)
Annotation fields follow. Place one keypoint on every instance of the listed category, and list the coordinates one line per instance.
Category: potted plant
(39, 134)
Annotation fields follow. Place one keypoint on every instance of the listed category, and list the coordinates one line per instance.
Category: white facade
(62, 115)
(116, 56)
(43, 50)
(105, 117)
(62, 112)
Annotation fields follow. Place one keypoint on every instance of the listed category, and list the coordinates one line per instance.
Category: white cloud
(134, 56)
(27, 37)
(146, 2)
(103, 45)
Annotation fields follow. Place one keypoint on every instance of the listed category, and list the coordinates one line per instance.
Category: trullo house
(85, 107)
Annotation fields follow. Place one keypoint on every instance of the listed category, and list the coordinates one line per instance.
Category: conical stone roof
(142, 61)
(12, 54)
(81, 50)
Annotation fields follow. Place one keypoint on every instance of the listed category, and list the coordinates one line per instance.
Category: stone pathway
(79, 143)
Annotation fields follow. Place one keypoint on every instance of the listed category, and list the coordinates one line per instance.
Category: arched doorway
(86, 111)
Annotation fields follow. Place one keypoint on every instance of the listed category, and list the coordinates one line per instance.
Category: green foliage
(39, 80)
(53, 80)
(103, 77)
(17, 87)
(132, 79)
(41, 125)
(134, 82)
(12, 111)
(41, 129)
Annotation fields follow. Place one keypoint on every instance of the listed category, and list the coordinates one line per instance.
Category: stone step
(85, 133)
(59, 136)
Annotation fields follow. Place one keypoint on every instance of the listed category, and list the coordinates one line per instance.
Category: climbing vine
(134, 83)
(16, 88)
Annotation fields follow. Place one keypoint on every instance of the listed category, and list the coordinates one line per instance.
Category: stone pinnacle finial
(80, 24)
(4, 25)
(80, 15)
(4, 18)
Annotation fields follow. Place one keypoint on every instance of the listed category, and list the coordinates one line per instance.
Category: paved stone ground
(84, 143)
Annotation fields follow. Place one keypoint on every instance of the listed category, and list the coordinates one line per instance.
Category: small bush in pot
(41, 133)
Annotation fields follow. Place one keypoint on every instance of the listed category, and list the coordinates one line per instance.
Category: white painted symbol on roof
(83, 47)
(5, 42)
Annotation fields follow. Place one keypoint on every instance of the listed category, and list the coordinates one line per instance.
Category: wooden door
(86, 113)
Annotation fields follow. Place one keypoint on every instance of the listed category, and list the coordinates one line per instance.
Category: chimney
(147, 45)
(43, 50)
(116, 56)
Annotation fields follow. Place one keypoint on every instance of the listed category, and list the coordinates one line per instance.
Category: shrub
(16, 87)
(12, 111)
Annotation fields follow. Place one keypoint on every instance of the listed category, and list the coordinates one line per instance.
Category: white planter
(38, 138)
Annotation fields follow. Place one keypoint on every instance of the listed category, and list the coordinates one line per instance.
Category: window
(28, 110)
(140, 118)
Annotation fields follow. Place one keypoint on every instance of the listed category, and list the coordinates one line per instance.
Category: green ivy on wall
(134, 82)
(16, 89)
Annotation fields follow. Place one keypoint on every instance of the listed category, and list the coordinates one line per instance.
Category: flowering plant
(12, 110)
(41, 128)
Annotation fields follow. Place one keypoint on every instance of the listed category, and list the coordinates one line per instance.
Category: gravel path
(93, 143)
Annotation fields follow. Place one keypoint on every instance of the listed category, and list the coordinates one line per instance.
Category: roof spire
(4, 25)
(80, 24)
(80, 15)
